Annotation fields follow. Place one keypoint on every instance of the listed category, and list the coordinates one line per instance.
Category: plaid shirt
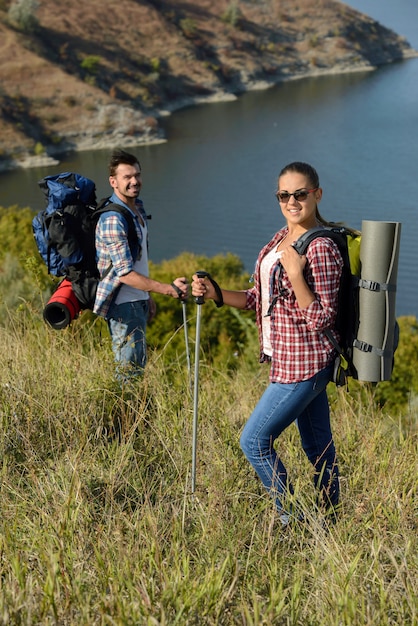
(300, 348)
(112, 249)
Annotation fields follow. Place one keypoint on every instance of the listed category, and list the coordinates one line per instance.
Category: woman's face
(298, 212)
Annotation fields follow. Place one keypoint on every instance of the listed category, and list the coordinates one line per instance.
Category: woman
(295, 298)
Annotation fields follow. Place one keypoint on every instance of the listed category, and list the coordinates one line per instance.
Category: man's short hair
(119, 157)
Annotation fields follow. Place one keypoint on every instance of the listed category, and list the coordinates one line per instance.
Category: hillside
(93, 76)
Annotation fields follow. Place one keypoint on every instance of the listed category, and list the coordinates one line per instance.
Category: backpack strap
(337, 234)
(363, 346)
(343, 366)
(105, 206)
(373, 285)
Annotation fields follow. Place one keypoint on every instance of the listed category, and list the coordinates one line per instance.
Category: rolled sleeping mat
(379, 254)
(62, 307)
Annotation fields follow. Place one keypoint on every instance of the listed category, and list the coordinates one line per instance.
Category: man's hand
(180, 288)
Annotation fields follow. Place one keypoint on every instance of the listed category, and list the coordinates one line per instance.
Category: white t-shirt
(265, 269)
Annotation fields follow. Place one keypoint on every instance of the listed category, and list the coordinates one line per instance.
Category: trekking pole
(186, 341)
(186, 334)
(199, 301)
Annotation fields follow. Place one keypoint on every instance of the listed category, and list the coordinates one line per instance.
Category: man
(123, 294)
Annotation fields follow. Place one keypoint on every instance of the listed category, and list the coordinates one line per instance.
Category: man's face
(127, 181)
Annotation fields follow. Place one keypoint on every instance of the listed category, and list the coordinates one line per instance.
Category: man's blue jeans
(279, 406)
(127, 324)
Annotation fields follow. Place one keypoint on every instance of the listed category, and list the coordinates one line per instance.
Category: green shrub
(226, 332)
(403, 386)
(188, 26)
(314, 41)
(38, 149)
(24, 277)
(232, 15)
(22, 15)
(16, 236)
(156, 64)
(90, 64)
(398, 395)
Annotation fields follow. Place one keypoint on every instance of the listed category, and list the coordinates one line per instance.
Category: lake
(210, 188)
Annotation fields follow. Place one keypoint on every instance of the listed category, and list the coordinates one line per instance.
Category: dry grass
(98, 525)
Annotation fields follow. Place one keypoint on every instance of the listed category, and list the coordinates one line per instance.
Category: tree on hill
(22, 15)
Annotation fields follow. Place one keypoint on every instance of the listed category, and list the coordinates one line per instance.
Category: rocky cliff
(94, 74)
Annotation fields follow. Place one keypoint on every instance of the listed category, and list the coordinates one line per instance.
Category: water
(210, 187)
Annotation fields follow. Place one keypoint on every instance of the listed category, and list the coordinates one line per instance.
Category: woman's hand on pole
(202, 287)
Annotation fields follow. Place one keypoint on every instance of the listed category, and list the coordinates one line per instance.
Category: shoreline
(107, 140)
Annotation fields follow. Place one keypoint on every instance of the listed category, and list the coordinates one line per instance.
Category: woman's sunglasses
(300, 195)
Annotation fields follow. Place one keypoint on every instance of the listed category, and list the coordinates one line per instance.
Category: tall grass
(98, 525)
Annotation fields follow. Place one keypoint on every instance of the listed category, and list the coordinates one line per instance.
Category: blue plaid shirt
(112, 251)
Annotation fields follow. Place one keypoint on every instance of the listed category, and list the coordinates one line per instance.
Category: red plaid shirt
(300, 348)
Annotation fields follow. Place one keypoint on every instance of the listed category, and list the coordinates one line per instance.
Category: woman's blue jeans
(127, 324)
(279, 406)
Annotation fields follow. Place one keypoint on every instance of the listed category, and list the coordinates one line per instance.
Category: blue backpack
(65, 232)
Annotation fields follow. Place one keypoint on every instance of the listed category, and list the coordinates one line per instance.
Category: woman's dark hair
(119, 157)
(303, 168)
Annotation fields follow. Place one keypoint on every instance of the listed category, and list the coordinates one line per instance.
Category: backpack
(65, 232)
(348, 311)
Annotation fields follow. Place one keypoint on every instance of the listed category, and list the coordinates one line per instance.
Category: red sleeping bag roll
(62, 307)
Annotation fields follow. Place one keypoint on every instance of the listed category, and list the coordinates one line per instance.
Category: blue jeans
(127, 324)
(279, 406)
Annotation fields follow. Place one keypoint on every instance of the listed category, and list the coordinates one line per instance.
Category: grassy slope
(99, 529)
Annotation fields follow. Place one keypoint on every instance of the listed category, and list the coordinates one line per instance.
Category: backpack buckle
(362, 345)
